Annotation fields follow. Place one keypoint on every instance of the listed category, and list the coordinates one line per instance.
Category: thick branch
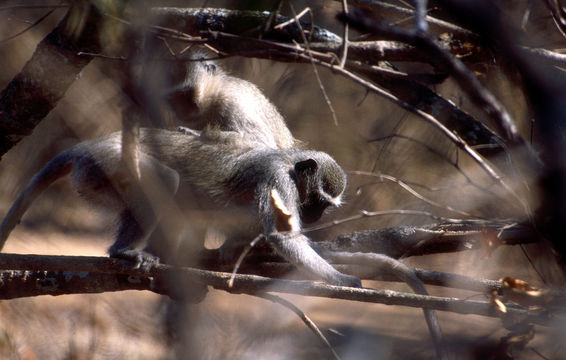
(468, 82)
(87, 271)
(405, 241)
(472, 131)
(246, 23)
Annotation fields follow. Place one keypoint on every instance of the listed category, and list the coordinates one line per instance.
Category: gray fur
(242, 172)
(239, 152)
(209, 97)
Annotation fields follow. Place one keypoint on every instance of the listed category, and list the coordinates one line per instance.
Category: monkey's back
(229, 103)
(205, 163)
(225, 165)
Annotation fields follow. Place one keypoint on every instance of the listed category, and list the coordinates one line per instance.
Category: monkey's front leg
(296, 248)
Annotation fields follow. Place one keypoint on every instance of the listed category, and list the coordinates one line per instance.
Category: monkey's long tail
(380, 262)
(56, 168)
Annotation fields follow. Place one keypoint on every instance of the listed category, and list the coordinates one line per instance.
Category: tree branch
(58, 275)
(405, 241)
(22, 107)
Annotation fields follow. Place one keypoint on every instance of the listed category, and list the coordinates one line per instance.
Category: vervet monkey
(241, 151)
(203, 96)
(208, 98)
(229, 167)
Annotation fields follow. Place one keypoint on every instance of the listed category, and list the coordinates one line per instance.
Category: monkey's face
(312, 210)
(320, 185)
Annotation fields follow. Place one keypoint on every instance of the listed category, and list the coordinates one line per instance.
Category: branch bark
(58, 275)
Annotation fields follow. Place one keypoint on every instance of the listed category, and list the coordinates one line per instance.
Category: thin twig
(308, 322)
(378, 6)
(242, 256)
(293, 20)
(365, 214)
(442, 156)
(410, 190)
(35, 23)
(102, 56)
(315, 69)
(345, 36)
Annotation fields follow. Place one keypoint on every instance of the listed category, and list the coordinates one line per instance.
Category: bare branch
(556, 58)
(78, 270)
(410, 190)
(404, 241)
(345, 36)
(380, 6)
(248, 23)
(257, 266)
(315, 69)
(465, 78)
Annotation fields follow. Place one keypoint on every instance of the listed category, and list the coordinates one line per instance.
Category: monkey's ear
(210, 68)
(306, 165)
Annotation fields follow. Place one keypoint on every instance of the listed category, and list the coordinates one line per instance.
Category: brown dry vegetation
(131, 325)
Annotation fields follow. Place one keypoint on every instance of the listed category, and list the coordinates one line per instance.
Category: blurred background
(133, 325)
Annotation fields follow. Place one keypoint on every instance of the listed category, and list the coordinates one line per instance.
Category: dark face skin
(314, 185)
(313, 210)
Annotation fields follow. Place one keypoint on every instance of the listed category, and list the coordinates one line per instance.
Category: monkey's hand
(346, 280)
(297, 249)
(141, 259)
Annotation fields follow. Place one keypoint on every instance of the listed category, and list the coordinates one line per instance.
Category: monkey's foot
(141, 259)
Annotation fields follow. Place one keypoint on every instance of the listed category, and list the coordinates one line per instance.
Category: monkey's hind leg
(146, 201)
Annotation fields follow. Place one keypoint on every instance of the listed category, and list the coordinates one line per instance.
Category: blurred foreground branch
(54, 66)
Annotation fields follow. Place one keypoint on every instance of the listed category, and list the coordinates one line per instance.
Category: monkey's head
(320, 182)
(190, 84)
